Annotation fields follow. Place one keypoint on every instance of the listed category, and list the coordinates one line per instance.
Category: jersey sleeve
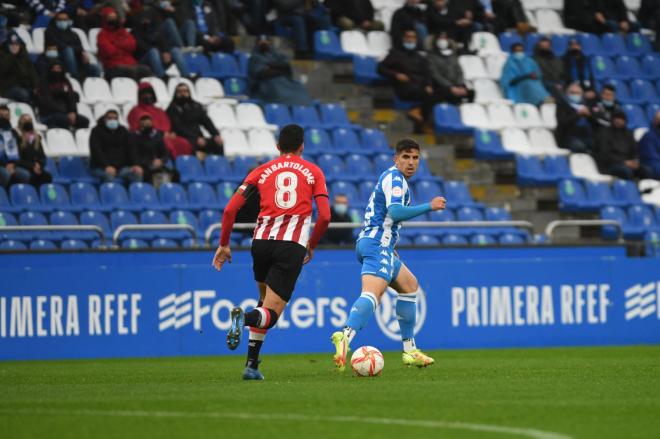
(394, 188)
(249, 185)
(320, 187)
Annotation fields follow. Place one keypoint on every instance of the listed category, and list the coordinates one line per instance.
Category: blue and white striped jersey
(392, 188)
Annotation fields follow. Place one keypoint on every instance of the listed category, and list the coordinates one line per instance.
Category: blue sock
(406, 314)
(361, 311)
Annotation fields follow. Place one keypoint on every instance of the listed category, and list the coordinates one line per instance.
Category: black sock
(254, 346)
(255, 318)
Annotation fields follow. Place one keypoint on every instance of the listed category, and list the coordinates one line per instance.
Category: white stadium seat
(124, 90)
(639, 133)
(474, 115)
(485, 43)
(262, 142)
(535, 4)
(84, 110)
(222, 115)
(250, 115)
(494, 65)
(487, 92)
(549, 115)
(61, 142)
(354, 41)
(379, 43)
(93, 39)
(385, 16)
(650, 190)
(163, 98)
(38, 37)
(97, 90)
(527, 116)
(473, 67)
(17, 109)
(543, 142)
(584, 166)
(210, 90)
(76, 87)
(24, 35)
(235, 143)
(515, 140)
(501, 116)
(84, 41)
(82, 141)
(549, 22)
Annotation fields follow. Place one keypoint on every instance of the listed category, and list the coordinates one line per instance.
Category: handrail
(408, 224)
(63, 228)
(554, 225)
(143, 227)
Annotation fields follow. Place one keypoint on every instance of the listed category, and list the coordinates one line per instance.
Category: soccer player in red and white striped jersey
(282, 243)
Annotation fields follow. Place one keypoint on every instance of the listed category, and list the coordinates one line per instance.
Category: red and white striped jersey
(287, 187)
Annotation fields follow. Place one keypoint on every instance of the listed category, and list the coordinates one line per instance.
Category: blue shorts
(377, 260)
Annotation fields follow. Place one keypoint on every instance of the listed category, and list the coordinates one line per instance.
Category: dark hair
(115, 112)
(514, 46)
(291, 137)
(4, 107)
(609, 87)
(406, 145)
(619, 115)
(145, 117)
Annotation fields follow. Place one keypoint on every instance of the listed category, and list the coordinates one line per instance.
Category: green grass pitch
(539, 393)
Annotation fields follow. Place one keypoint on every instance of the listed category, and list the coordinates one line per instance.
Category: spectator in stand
(30, 151)
(150, 152)
(270, 77)
(187, 117)
(117, 47)
(305, 17)
(522, 79)
(354, 14)
(508, 14)
(69, 47)
(253, 16)
(439, 18)
(552, 68)
(612, 16)
(111, 155)
(212, 33)
(158, 44)
(469, 17)
(616, 151)
(45, 10)
(160, 121)
(57, 101)
(577, 68)
(649, 147)
(79, 11)
(339, 214)
(10, 172)
(409, 73)
(649, 18)
(581, 15)
(43, 61)
(574, 129)
(409, 16)
(604, 108)
(18, 78)
(446, 73)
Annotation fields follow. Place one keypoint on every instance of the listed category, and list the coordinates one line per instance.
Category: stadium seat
(143, 196)
(222, 115)
(199, 65)
(426, 190)
(374, 139)
(354, 42)
(651, 109)
(236, 143)
(474, 115)
(333, 167)
(208, 218)
(379, 43)
(473, 67)
(382, 162)
(531, 40)
(243, 165)
(484, 43)
(494, 65)
(262, 142)
(482, 239)
(73, 244)
(591, 44)
(317, 140)
(161, 243)
(120, 218)
(454, 239)
(584, 166)
(185, 217)
(357, 164)
(501, 116)
(345, 140)
(24, 198)
(549, 22)
(249, 115)
(426, 241)
(84, 197)
(17, 109)
(650, 66)
(600, 194)
(33, 219)
(217, 168)
(114, 196)
(643, 91)
(573, 198)
(8, 219)
(345, 188)
(603, 68)
(365, 189)
(334, 115)
(557, 167)
(365, 70)
(549, 115)
(530, 172)
(190, 169)
(560, 44)
(235, 86)
(97, 90)
(640, 221)
(652, 243)
(543, 141)
(612, 45)
(628, 67)
(53, 170)
(63, 219)
(42, 244)
(616, 214)
(511, 239)
(124, 90)
(328, 47)
(134, 244)
(12, 245)
(94, 218)
(209, 90)
(225, 66)
(75, 169)
(515, 141)
(172, 196)
(638, 44)
(626, 192)
(509, 38)
(487, 92)
(54, 197)
(225, 191)
(156, 217)
(5, 205)
(622, 91)
(448, 120)
(306, 116)
(277, 114)
(488, 146)
(527, 116)
(60, 142)
(458, 194)
(202, 196)
(636, 116)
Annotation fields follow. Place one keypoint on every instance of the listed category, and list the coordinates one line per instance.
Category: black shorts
(278, 265)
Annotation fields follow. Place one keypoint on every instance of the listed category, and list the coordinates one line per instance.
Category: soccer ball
(367, 361)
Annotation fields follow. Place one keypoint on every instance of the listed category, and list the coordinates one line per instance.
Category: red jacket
(116, 48)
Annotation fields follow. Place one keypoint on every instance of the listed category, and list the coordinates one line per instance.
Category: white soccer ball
(367, 361)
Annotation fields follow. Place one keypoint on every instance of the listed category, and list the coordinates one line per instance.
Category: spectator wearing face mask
(111, 155)
(649, 148)
(339, 214)
(44, 60)
(45, 10)
(354, 14)
(577, 68)
(69, 47)
(18, 78)
(211, 23)
(31, 152)
(57, 101)
(187, 117)
(175, 144)
(522, 79)
(446, 73)
(409, 16)
(552, 68)
(574, 129)
(604, 108)
(10, 172)
(270, 78)
(117, 48)
(150, 152)
(616, 151)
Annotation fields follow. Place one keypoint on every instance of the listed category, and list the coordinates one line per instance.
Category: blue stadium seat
(374, 139)
(560, 44)
(33, 219)
(84, 197)
(599, 194)
(457, 194)
(12, 245)
(190, 169)
(52, 168)
(334, 115)
(643, 91)
(511, 239)
(454, 239)
(403, 241)
(198, 64)
(95, 218)
(63, 219)
(74, 169)
(235, 86)
(400, 104)
(73, 244)
(603, 68)
(207, 218)
(134, 244)
(113, 196)
(173, 196)
(426, 190)
(651, 66)
(143, 195)
(186, 217)
(531, 40)
(246, 242)
(638, 44)
(497, 214)
(306, 116)
(613, 45)
(225, 66)
(346, 188)
(622, 91)
(333, 166)
(5, 205)
(591, 44)
(24, 197)
(636, 116)
(8, 219)
(163, 243)
(42, 244)
(327, 46)
(346, 140)
(156, 217)
(54, 197)
(652, 243)
(122, 217)
(365, 70)
(426, 240)
(488, 146)
(628, 67)
(277, 114)
(557, 167)
(530, 172)
(447, 120)
(651, 109)
(317, 140)
(357, 164)
(382, 162)
(365, 189)
(243, 165)
(616, 214)
(469, 214)
(641, 220)
(482, 239)
(225, 191)
(573, 198)
(202, 196)
(217, 168)
(509, 38)
(243, 59)
(626, 192)
(423, 169)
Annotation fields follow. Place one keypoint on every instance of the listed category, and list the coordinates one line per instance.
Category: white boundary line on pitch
(518, 431)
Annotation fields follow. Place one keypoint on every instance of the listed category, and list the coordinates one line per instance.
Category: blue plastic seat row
(608, 44)
(345, 141)
(488, 146)
(328, 47)
(214, 169)
(359, 168)
(636, 221)
(447, 120)
(219, 65)
(454, 239)
(589, 196)
(636, 91)
(624, 67)
(534, 171)
(314, 116)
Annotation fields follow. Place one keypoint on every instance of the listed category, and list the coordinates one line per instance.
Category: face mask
(28, 126)
(408, 45)
(182, 100)
(148, 99)
(113, 24)
(146, 130)
(4, 124)
(519, 55)
(165, 4)
(58, 76)
(608, 103)
(442, 44)
(341, 209)
(112, 124)
(51, 54)
(575, 99)
(62, 25)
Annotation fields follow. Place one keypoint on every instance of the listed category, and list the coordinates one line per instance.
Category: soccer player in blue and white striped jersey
(389, 205)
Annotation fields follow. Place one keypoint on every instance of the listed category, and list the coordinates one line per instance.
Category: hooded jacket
(116, 46)
(16, 70)
(110, 147)
(614, 146)
(160, 119)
